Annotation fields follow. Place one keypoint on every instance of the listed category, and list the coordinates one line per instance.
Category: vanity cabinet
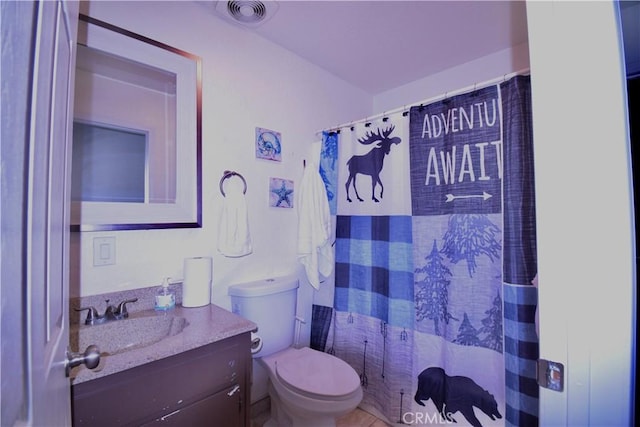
(205, 386)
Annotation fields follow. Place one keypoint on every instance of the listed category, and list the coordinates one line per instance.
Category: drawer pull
(234, 390)
(169, 415)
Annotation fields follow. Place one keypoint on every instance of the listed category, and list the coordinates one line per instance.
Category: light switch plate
(104, 251)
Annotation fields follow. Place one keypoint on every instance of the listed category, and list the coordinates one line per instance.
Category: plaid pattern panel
(320, 323)
(374, 268)
(521, 355)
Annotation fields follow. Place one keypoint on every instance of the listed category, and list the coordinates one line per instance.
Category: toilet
(308, 388)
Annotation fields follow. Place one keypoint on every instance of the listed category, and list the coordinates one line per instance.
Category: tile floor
(360, 418)
(357, 418)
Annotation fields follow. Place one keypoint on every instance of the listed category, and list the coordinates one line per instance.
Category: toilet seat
(317, 375)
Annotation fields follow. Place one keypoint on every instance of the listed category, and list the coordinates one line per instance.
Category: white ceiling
(381, 45)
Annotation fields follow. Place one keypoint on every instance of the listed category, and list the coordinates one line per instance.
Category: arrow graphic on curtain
(450, 197)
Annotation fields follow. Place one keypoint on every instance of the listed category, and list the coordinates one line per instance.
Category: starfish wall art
(280, 193)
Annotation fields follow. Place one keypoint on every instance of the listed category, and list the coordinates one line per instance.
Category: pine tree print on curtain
(456, 189)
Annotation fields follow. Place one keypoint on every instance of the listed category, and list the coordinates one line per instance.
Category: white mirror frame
(186, 212)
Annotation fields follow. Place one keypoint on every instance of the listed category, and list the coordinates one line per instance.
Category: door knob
(90, 358)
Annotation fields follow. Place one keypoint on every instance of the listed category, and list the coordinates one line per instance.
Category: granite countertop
(204, 325)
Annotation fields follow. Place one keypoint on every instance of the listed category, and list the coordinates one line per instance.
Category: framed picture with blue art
(268, 144)
(280, 193)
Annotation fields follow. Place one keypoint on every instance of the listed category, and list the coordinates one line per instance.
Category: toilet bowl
(310, 388)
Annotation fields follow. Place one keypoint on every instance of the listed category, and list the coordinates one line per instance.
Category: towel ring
(229, 174)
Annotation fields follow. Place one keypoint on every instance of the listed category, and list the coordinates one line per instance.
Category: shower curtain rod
(445, 95)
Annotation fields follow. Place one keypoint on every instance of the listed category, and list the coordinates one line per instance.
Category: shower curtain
(435, 260)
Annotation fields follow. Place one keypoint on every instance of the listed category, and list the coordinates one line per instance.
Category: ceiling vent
(248, 13)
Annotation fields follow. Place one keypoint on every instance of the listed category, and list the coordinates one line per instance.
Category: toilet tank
(270, 304)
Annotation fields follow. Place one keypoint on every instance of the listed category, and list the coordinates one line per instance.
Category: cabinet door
(221, 409)
(165, 386)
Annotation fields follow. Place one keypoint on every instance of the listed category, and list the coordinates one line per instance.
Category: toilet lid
(320, 374)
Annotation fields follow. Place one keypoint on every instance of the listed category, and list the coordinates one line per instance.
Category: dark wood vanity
(206, 386)
(200, 376)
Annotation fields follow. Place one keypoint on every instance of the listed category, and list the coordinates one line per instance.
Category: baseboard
(260, 407)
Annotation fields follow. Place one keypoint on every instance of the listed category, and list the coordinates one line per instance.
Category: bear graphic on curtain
(455, 394)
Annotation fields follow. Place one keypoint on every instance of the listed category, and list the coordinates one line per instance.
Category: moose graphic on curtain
(372, 162)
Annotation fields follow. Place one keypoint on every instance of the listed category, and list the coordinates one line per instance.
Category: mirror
(136, 160)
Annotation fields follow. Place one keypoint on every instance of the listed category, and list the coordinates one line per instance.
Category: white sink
(119, 336)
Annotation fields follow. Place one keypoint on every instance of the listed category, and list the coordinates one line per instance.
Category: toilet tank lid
(264, 287)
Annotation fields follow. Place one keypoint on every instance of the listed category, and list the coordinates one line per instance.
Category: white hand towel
(234, 239)
(315, 249)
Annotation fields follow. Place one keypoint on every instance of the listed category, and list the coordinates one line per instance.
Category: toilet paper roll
(196, 286)
(256, 343)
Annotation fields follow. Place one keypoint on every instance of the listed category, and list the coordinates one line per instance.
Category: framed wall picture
(280, 193)
(268, 144)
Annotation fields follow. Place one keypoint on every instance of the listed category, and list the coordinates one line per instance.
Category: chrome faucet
(111, 312)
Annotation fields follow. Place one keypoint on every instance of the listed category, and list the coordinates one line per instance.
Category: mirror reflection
(124, 132)
(136, 132)
(109, 164)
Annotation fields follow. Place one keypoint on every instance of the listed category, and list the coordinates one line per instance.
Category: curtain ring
(229, 174)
